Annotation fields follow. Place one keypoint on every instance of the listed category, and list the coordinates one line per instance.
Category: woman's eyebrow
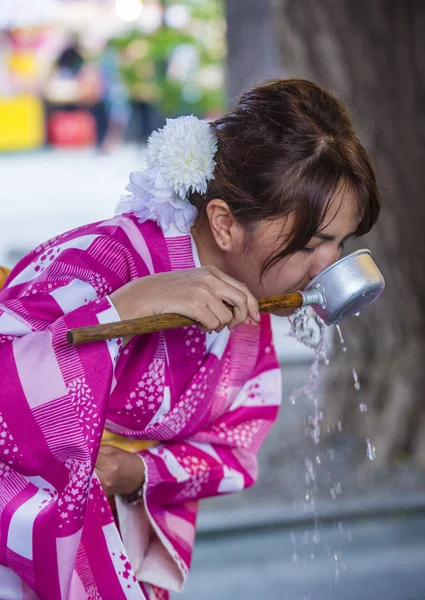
(331, 238)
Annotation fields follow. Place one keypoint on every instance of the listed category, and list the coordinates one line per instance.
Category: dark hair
(70, 58)
(287, 148)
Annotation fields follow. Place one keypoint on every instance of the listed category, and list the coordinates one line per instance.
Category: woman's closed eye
(311, 249)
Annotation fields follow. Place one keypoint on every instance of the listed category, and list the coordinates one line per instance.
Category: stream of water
(309, 329)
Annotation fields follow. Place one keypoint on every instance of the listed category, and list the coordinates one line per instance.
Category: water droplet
(341, 338)
(335, 491)
(310, 474)
(357, 385)
(371, 450)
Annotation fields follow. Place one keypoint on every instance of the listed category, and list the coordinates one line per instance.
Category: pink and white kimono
(208, 399)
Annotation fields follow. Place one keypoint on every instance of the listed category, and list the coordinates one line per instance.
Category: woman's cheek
(275, 284)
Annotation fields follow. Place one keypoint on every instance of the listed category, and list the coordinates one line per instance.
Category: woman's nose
(323, 260)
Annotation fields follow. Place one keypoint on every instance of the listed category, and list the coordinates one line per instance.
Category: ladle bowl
(345, 288)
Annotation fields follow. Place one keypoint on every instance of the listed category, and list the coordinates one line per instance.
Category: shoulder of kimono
(145, 240)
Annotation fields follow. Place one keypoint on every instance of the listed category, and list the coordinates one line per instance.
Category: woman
(254, 204)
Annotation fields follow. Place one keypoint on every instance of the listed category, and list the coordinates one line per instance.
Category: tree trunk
(373, 55)
(252, 50)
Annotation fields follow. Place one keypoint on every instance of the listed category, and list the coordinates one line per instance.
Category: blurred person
(75, 85)
(62, 89)
(254, 204)
(115, 97)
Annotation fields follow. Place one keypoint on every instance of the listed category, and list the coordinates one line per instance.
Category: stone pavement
(355, 560)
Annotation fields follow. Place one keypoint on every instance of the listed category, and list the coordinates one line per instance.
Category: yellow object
(21, 122)
(23, 63)
(4, 272)
(125, 443)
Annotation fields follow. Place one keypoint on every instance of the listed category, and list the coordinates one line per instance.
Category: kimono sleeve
(219, 460)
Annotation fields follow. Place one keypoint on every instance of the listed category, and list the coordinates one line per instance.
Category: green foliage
(146, 60)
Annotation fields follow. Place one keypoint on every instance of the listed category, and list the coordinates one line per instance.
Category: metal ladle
(337, 293)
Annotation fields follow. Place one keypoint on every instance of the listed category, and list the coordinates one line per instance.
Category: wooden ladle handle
(108, 331)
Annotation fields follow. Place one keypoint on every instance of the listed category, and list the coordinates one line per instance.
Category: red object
(72, 128)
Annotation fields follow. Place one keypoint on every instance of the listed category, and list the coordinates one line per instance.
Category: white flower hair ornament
(180, 160)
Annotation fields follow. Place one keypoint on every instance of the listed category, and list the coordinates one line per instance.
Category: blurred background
(82, 85)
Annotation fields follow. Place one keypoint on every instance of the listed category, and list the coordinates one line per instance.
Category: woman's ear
(227, 232)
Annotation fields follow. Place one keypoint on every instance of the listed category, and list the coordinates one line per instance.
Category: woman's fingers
(214, 316)
(239, 300)
(207, 319)
(216, 289)
(223, 314)
(244, 301)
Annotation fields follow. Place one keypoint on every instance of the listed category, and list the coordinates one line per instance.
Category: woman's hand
(120, 472)
(194, 293)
